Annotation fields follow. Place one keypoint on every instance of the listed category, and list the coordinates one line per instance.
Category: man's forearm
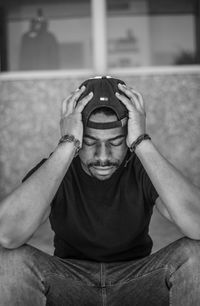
(24, 209)
(180, 197)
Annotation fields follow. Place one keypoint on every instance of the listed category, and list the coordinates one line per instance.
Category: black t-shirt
(103, 220)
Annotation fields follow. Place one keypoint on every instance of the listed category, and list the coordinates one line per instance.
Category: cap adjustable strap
(106, 125)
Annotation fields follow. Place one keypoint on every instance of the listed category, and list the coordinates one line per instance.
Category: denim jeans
(170, 276)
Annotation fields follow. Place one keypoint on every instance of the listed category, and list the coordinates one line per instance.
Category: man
(99, 187)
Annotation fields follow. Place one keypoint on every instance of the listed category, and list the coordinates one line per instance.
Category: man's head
(104, 119)
(104, 89)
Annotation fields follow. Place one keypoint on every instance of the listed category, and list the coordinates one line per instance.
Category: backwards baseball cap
(104, 89)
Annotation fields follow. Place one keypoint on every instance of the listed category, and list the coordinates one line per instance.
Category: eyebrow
(114, 138)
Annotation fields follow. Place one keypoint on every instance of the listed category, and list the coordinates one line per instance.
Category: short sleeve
(148, 188)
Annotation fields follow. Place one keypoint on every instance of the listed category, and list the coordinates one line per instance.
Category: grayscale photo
(99, 153)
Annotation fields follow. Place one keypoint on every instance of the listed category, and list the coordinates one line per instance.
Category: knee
(189, 253)
(20, 279)
(185, 262)
(190, 248)
(13, 262)
(18, 254)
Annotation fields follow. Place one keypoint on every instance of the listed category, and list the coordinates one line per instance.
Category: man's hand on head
(71, 114)
(136, 112)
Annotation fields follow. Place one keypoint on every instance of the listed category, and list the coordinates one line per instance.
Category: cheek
(119, 153)
(85, 154)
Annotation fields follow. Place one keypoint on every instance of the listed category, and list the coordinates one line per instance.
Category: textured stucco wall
(29, 120)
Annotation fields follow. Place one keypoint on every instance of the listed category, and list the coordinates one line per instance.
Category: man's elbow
(7, 243)
(192, 233)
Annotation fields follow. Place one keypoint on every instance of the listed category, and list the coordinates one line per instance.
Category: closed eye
(113, 142)
(89, 142)
(116, 142)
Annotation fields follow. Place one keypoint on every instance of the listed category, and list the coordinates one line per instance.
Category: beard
(106, 163)
(102, 170)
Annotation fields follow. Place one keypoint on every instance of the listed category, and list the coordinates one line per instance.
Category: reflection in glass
(39, 48)
(150, 33)
(49, 35)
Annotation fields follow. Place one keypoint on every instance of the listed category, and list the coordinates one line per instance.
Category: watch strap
(71, 138)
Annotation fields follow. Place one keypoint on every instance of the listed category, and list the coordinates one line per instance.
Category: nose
(102, 152)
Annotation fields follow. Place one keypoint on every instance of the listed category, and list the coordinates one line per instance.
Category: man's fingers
(134, 96)
(139, 96)
(77, 93)
(137, 103)
(69, 103)
(124, 89)
(81, 104)
(74, 97)
(130, 106)
(64, 106)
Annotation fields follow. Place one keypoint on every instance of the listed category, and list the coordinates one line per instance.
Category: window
(46, 35)
(99, 35)
(152, 32)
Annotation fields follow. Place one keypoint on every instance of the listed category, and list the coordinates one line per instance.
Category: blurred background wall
(48, 48)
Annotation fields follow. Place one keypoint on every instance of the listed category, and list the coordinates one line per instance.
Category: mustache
(106, 163)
